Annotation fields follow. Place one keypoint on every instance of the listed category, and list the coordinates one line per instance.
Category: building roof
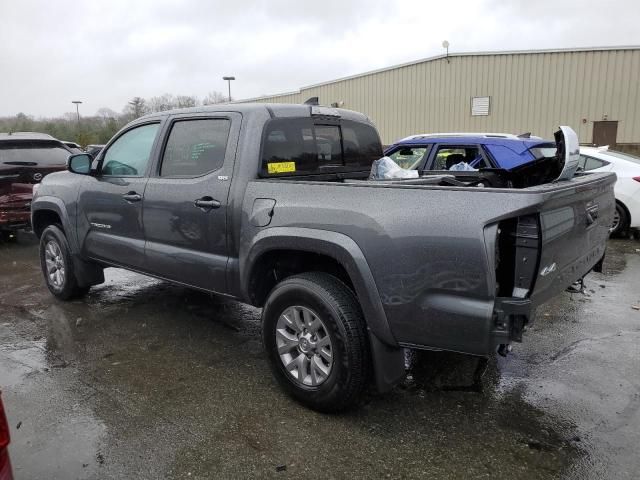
(451, 55)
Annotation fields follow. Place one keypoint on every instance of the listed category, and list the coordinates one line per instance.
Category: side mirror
(80, 163)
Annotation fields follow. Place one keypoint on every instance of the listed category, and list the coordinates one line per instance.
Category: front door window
(129, 155)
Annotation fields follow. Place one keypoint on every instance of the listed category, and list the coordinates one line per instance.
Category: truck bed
(475, 260)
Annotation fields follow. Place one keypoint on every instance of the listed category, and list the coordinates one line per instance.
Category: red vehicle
(25, 159)
(5, 463)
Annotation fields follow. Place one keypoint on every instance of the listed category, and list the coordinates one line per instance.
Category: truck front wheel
(57, 265)
(316, 339)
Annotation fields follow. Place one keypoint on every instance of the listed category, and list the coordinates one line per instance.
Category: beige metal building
(594, 90)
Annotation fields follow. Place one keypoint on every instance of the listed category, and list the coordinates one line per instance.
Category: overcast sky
(106, 52)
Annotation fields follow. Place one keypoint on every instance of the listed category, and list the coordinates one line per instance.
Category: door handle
(132, 197)
(207, 203)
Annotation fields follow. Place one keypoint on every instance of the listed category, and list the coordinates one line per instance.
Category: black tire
(339, 310)
(623, 223)
(68, 288)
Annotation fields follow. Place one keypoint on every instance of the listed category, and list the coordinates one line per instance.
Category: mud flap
(388, 364)
(598, 266)
(87, 274)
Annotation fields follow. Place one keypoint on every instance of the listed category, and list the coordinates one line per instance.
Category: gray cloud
(104, 53)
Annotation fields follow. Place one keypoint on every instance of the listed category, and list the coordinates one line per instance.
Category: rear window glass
(33, 153)
(304, 146)
(586, 163)
(544, 151)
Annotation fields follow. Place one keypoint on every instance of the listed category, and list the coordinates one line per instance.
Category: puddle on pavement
(54, 434)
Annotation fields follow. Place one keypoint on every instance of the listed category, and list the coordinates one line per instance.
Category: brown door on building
(605, 133)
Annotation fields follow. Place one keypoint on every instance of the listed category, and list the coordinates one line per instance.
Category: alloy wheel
(304, 346)
(55, 264)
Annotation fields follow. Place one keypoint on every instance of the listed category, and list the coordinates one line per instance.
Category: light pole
(228, 79)
(445, 44)
(77, 102)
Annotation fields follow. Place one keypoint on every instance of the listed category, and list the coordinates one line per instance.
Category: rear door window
(449, 155)
(304, 146)
(195, 147)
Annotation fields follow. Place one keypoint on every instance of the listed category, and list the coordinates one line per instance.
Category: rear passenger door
(186, 200)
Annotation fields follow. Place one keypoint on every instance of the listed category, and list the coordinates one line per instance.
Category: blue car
(469, 151)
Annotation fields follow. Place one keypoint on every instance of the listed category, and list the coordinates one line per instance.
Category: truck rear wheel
(316, 339)
(57, 265)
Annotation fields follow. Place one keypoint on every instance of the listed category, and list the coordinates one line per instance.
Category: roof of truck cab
(275, 110)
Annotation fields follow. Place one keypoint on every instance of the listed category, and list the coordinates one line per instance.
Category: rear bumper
(15, 211)
(510, 316)
(14, 220)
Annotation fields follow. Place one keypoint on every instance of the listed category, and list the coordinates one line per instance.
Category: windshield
(623, 156)
(33, 154)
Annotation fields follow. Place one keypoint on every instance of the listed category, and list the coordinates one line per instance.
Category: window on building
(480, 106)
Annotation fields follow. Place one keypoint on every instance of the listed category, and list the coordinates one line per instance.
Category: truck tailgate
(574, 228)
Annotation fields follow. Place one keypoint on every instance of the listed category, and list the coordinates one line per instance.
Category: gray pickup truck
(272, 205)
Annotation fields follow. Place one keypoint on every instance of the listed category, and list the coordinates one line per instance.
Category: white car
(627, 188)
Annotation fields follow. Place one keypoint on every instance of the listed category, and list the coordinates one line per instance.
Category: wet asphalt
(144, 379)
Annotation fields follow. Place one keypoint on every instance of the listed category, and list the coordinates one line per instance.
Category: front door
(185, 208)
(605, 133)
(110, 203)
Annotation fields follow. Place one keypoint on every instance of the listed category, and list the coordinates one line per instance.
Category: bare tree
(185, 101)
(136, 107)
(214, 97)
(162, 103)
(106, 113)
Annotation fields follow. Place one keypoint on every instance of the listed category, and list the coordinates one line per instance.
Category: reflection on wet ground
(143, 379)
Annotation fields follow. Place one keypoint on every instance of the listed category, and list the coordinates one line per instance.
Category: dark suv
(25, 159)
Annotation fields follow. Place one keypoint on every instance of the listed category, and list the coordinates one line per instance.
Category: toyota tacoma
(273, 205)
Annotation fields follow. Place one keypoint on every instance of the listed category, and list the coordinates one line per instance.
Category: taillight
(517, 256)
(637, 179)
